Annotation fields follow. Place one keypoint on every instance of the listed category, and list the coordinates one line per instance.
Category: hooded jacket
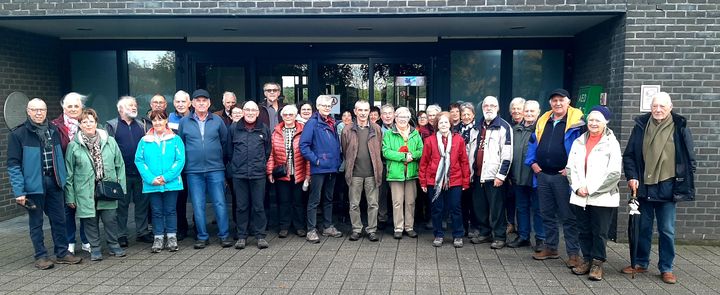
(24, 160)
(164, 156)
(395, 160)
(574, 127)
(278, 156)
(604, 165)
(320, 145)
(520, 173)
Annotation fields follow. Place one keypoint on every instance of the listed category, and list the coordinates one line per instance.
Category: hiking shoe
(411, 233)
(546, 254)
(596, 271)
(157, 245)
(226, 242)
(582, 269)
(301, 233)
(668, 278)
(458, 242)
(397, 235)
(518, 243)
(86, 247)
(262, 244)
(44, 263)
(437, 242)
(573, 261)
(539, 245)
(240, 244)
(283, 234)
(68, 259)
(499, 244)
(373, 237)
(123, 241)
(629, 269)
(119, 252)
(332, 232)
(172, 244)
(96, 255)
(312, 237)
(354, 236)
(480, 240)
(201, 244)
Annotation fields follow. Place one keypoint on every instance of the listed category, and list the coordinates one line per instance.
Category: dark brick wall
(29, 64)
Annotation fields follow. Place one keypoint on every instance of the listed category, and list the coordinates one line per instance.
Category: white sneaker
(86, 247)
(71, 248)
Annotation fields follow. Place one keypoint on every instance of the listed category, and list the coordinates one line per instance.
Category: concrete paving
(293, 266)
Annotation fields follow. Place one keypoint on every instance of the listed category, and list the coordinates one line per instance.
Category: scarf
(72, 126)
(441, 176)
(465, 131)
(659, 151)
(92, 142)
(42, 130)
(329, 121)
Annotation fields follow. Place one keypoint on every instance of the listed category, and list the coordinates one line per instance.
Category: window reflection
(94, 73)
(474, 74)
(401, 85)
(349, 81)
(149, 73)
(536, 73)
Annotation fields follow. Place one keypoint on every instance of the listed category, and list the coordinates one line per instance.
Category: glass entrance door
(401, 84)
(293, 77)
(221, 77)
(348, 82)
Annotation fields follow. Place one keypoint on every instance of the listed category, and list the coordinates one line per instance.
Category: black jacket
(249, 150)
(683, 187)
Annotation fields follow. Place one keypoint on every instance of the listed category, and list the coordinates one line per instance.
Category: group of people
(539, 172)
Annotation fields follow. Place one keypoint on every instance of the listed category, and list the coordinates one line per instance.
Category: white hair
(73, 96)
(489, 99)
(289, 109)
(323, 99)
(662, 96)
(469, 106)
(516, 101)
(360, 103)
(402, 110)
(387, 106)
(433, 107)
(250, 103)
(532, 104)
(228, 93)
(124, 100)
(181, 93)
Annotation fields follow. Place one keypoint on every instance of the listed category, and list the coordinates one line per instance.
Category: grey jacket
(520, 173)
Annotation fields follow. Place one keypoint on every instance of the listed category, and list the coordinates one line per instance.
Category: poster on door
(335, 104)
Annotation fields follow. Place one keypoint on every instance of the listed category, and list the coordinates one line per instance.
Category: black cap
(199, 93)
(559, 91)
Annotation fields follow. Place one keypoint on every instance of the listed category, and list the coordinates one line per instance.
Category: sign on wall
(646, 94)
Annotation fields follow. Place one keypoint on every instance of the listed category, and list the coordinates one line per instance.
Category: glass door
(401, 84)
(217, 78)
(293, 77)
(348, 82)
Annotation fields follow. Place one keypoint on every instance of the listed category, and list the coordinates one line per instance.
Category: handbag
(279, 171)
(108, 191)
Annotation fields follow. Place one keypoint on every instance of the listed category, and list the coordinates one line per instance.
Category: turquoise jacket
(160, 156)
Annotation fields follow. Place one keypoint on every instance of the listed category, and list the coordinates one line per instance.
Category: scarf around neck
(72, 126)
(42, 130)
(441, 176)
(92, 142)
(659, 151)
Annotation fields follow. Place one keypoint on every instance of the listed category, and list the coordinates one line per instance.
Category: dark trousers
(250, 194)
(271, 196)
(468, 211)
(182, 222)
(554, 196)
(71, 229)
(593, 224)
(528, 209)
(320, 185)
(489, 205)
(449, 199)
(510, 203)
(291, 207)
(92, 228)
(52, 203)
(423, 210)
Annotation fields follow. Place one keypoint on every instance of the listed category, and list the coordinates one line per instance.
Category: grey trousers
(142, 204)
(92, 228)
(371, 193)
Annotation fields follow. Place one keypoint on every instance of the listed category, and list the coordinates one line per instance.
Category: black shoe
(146, 238)
(397, 235)
(518, 242)
(123, 241)
(539, 245)
(201, 244)
(354, 236)
(283, 234)
(180, 236)
(499, 244)
(412, 234)
(480, 240)
(226, 243)
(373, 237)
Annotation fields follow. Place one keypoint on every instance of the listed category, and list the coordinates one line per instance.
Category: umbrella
(633, 228)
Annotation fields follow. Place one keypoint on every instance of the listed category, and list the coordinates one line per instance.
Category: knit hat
(602, 110)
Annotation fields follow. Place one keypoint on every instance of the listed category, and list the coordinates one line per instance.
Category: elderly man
(205, 137)
(36, 169)
(659, 163)
(158, 103)
(249, 150)
(387, 117)
(362, 143)
(516, 114)
(320, 145)
(557, 128)
(128, 129)
(67, 125)
(181, 102)
(492, 156)
(522, 179)
(229, 100)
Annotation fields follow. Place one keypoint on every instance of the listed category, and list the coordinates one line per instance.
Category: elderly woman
(593, 170)
(306, 111)
(402, 148)
(469, 133)
(444, 174)
(285, 152)
(236, 114)
(91, 157)
(68, 125)
(160, 157)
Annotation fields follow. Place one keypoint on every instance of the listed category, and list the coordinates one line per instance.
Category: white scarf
(72, 126)
(441, 176)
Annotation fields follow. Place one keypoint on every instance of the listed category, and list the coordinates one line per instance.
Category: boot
(596, 271)
(581, 269)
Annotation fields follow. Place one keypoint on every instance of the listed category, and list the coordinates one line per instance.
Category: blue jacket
(319, 144)
(160, 156)
(24, 160)
(203, 153)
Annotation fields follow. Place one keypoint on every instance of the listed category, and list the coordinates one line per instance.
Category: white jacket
(498, 150)
(603, 171)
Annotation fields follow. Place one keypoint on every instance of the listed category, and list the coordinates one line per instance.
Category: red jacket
(278, 156)
(459, 167)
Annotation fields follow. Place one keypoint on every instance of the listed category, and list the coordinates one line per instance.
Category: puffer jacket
(249, 150)
(160, 156)
(80, 186)
(395, 160)
(601, 177)
(349, 141)
(278, 156)
(498, 150)
(459, 167)
(320, 145)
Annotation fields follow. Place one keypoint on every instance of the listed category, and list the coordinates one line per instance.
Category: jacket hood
(150, 135)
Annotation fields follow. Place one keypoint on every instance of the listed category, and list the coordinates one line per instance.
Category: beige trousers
(403, 200)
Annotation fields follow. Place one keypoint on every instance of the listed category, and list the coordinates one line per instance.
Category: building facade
(410, 53)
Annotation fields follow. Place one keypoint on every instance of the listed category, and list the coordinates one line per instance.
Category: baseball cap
(199, 93)
(559, 91)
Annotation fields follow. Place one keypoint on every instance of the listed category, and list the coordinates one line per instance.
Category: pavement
(338, 265)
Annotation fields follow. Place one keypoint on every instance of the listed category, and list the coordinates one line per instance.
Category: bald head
(37, 110)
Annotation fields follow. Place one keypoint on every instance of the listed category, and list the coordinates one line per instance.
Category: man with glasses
(320, 145)
(270, 116)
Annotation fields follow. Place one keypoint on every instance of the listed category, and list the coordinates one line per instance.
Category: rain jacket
(160, 156)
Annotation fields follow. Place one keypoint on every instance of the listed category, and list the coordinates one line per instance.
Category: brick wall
(29, 64)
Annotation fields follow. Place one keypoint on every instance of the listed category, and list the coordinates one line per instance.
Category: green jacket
(395, 160)
(80, 186)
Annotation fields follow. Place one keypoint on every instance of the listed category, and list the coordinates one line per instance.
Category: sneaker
(86, 247)
(240, 244)
(458, 242)
(283, 234)
(119, 252)
(480, 240)
(498, 244)
(172, 244)
(71, 248)
(201, 244)
(96, 255)
(668, 278)
(373, 237)
(332, 232)
(629, 270)
(146, 238)
(546, 254)
(68, 259)
(301, 233)
(539, 245)
(437, 242)
(573, 261)
(354, 236)
(123, 241)
(582, 269)
(44, 263)
(518, 243)
(596, 271)
(226, 243)
(262, 244)
(411, 233)
(312, 237)
(157, 245)
(397, 235)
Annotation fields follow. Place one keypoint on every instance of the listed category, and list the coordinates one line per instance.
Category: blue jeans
(554, 196)
(213, 184)
(450, 199)
(526, 202)
(665, 214)
(52, 203)
(71, 228)
(164, 214)
(320, 185)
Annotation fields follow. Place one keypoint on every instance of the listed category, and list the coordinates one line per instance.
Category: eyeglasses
(250, 110)
(272, 90)
(288, 115)
(158, 102)
(37, 110)
(325, 106)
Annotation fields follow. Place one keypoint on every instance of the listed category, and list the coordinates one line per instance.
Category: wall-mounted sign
(646, 94)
